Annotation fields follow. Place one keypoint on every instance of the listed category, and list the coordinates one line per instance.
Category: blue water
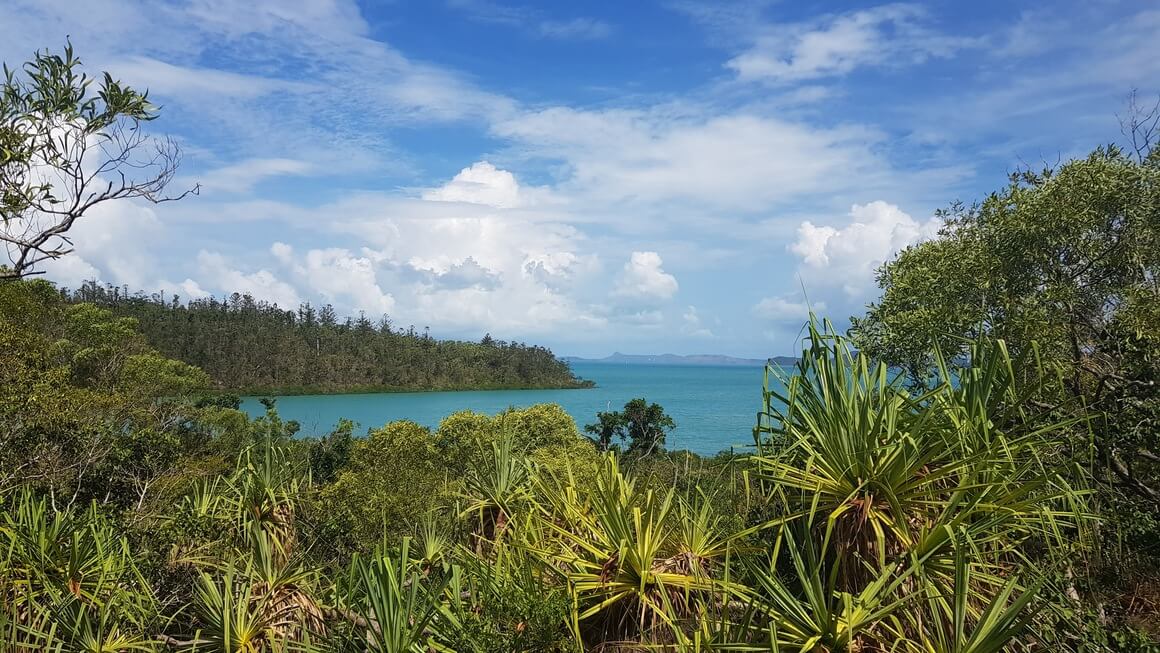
(714, 407)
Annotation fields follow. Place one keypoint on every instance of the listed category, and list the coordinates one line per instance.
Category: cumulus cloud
(112, 243)
(481, 183)
(72, 271)
(847, 255)
(463, 266)
(188, 289)
(644, 278)
(467, 273)
(217, 270)
(338, 275)
(692, 326)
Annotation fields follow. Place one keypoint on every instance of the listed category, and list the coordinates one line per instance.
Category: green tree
(86, 407)
(641, 424)
(66, 147)
(1069, 258)
(395, 475)
(254, 347)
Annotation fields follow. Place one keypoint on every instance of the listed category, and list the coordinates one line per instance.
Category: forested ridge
(252, 346)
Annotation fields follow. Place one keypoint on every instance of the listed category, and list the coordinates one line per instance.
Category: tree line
(249, 345)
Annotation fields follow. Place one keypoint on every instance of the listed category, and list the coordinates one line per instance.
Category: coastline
(581, 384)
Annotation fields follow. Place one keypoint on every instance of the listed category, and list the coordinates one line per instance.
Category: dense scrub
(251, 346)
(872, 517)
(1063, 263)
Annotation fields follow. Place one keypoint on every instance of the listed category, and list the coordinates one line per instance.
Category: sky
(652, 176)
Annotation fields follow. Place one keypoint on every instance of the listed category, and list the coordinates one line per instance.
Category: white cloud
(467, 274)
(339, 276)
(263, 284)
(114, 242)
(188, 289)
(650, 318)
(241, 177)
(72, 271)
(782, 309)
(575, 29)
(481, 183)
(644, 278)
(891, 34)
(334, 17)
(847, 255)
(668, 156)
(464, 266)
(197, 83)
(692, 325)
(531, 20)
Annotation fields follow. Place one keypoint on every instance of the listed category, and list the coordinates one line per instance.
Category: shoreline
(244, 393)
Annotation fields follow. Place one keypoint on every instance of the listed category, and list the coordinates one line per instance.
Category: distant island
(677, 359)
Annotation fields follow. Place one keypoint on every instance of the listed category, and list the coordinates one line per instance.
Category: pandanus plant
(254, 592)
(391, 606)
(496, 487)
(636, 564)
(884, 489)
(68, 582)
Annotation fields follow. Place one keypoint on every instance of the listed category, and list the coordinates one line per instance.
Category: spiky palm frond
(68, 582)
(497, 485)
(886, 487)
(632, 572)
(392, 607)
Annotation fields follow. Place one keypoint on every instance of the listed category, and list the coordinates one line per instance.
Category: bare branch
(1140, 125)
(57, 166)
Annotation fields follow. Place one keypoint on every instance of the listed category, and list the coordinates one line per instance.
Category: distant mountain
(675, 359)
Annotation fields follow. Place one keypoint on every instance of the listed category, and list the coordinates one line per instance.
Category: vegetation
(641, 425)
(874, 516)
(1064, 263)
(65, 148)
(253, 347)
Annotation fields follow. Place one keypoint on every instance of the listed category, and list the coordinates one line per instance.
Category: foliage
(641, 424)
(66, 147)
(254, 347)
(68, 581)
(1068, 258)
(903, 509)
(87, 409)
(393, 476)
(874, 516)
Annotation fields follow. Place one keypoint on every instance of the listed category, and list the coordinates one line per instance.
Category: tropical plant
(886, 491)
(633, 575)
(392, 606)
(68, 582)
(495, 489)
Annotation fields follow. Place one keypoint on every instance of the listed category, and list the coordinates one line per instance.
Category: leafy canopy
(641, 424)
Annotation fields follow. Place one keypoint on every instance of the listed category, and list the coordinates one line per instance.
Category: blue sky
(636, 176)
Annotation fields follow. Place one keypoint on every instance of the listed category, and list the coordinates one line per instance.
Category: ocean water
(715, 408)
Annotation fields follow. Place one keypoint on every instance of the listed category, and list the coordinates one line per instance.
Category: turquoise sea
(714, 407)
